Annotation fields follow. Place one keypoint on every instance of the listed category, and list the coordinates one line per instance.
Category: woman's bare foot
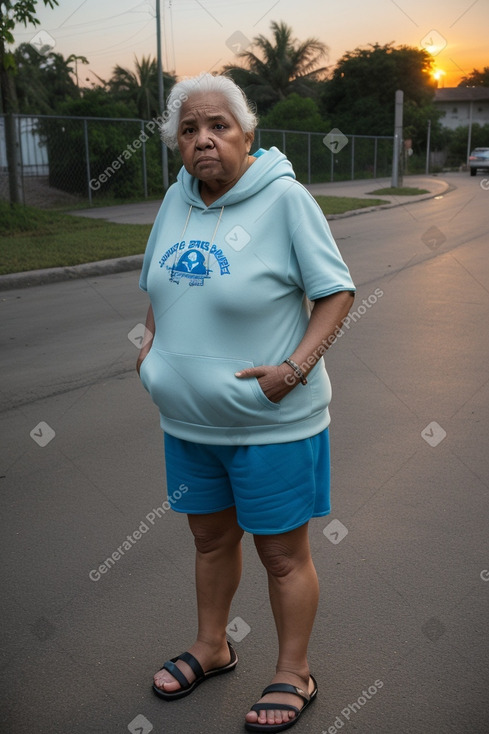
(281, 716)
(209, 658)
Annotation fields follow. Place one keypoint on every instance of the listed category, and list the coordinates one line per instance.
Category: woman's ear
(249, 138)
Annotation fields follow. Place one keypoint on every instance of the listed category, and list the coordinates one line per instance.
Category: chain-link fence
(319, 157)
(67, 160)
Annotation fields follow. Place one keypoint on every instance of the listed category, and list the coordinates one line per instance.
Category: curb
(46, 276)
(75, 272)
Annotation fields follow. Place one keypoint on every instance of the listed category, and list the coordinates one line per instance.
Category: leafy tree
(416, 119)
(43, 82)
(301, 114)
(20, 11)
(457, 146)
(476, 78)
(140, 86)
(280, 67)
(111, 140)
(360, 96)
(294, 113)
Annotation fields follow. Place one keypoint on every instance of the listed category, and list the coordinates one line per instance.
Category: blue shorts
(274, 487)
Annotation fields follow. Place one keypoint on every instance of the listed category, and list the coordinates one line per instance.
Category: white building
(462, 105)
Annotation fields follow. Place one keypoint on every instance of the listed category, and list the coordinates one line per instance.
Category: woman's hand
(276, 382)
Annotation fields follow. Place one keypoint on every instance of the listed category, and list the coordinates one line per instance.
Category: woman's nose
(203, 140)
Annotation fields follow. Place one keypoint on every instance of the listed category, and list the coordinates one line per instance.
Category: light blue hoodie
(227, 283)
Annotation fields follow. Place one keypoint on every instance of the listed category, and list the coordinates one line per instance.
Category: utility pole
(428, 148)
(469, 136)
(396, 159)
(161, 94)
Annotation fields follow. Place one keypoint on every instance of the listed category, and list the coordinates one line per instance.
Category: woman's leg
(294, 593)
(217, 539)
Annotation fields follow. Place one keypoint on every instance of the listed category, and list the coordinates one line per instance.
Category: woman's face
(212, 144)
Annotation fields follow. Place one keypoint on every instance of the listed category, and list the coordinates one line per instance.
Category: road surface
(400, 644)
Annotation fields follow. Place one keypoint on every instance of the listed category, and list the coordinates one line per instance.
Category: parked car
(479, 158)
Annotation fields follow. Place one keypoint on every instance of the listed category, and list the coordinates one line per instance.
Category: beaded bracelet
(297, 370)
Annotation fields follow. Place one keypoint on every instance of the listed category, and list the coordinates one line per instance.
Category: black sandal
(186, 687)
(282, 688)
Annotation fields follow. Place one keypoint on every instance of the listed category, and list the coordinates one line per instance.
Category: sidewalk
(145, 213)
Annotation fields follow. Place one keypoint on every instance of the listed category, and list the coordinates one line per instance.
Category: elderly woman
(238, 250)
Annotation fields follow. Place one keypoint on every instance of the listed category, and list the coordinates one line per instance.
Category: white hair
(206, 83)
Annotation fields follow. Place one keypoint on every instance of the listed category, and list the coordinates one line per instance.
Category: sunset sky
(203, 35)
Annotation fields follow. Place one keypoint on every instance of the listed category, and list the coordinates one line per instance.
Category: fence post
(12, 150)
(308, 158)
(428, 147)
(352, 157)
(21, 158)
(87, 160)
(396, 157)
(145, 177)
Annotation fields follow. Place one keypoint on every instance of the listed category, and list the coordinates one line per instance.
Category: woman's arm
(147, 341)
(326, 318)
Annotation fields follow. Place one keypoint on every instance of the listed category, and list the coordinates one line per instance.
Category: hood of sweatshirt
(268, 166)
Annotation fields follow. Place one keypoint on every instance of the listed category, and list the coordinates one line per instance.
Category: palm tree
(140, 86)
(283, 66)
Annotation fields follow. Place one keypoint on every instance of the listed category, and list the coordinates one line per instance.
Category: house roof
(462, 94)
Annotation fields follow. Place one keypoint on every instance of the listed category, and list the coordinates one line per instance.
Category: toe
(278, 716)
(251, 717)
(165, 681)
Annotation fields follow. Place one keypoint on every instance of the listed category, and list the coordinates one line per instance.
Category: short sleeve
(316, 264)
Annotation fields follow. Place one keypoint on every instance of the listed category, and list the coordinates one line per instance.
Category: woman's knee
(217, 531)
(281, 555)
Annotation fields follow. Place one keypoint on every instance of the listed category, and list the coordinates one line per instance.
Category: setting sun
(438, 75)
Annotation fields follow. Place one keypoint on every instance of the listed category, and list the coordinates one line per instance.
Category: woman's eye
(219, 126)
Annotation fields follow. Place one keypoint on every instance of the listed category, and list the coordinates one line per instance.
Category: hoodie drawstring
(210, 244)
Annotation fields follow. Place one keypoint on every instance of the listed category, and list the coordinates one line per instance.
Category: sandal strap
(188, 658)
(286, 688)
(192, 662)
(274, 707)
(176, 673)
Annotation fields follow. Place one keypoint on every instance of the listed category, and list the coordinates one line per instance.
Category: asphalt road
(400, 644)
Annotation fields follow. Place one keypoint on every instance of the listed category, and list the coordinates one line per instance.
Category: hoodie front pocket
(204, 390)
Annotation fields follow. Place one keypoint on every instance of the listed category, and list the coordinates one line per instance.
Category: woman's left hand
(276, 382)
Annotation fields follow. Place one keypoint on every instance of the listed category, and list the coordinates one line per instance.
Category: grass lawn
(32, 239)
(399, 191)
(342, 204)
